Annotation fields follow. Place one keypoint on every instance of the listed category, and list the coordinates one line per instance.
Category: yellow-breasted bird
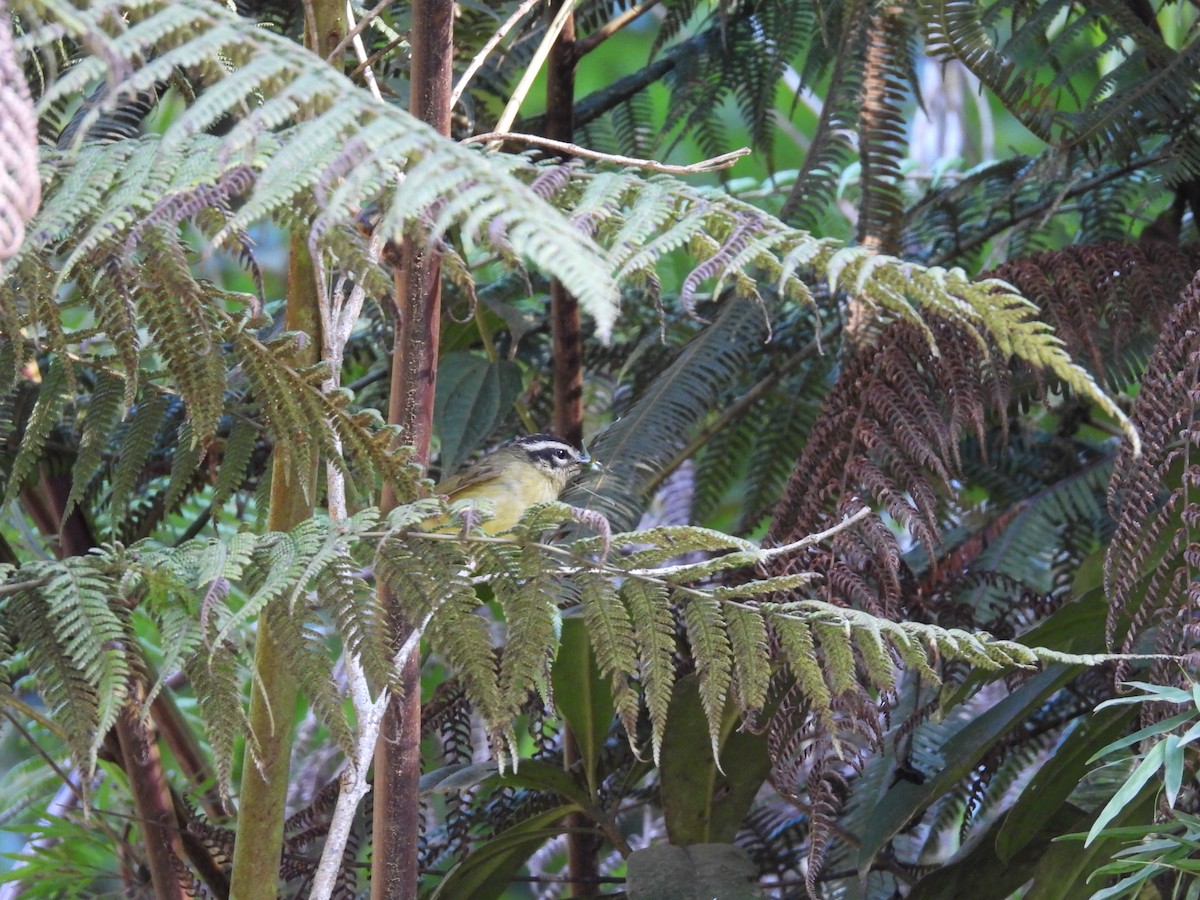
(530, 470)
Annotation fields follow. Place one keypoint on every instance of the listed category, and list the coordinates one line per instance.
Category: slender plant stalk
(265, 773)
(564, 308)
(582, 862)
(189, 756)
(139, 755)
(151, 797)
(397, 810)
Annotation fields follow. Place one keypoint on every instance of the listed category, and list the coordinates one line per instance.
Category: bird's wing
(476, 473)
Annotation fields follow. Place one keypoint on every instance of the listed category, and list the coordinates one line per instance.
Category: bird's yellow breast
(511, 492)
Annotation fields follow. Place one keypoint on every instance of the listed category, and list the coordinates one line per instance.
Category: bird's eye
(560, 453)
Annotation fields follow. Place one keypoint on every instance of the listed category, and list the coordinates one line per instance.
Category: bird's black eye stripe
(548, 450)
(552, 455)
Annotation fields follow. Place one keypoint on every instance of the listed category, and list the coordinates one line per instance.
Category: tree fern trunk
(265, 772)
(582, 864)
(564, 308)
(397, 811)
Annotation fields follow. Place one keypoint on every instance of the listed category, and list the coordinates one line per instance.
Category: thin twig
(608, 29)
(17, 586)
(535, 65)
(518, 14)
(360, 50)
(650, 576)
(817, 537)
(310, 17)
(724, 161)
(763, 553)
(357, 30)
(378, 55)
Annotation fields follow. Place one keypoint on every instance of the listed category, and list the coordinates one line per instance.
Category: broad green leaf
(1142, 733)
(448, 779)
(1155, 693)
(539, 776)
(701, 803)
(488, 870)
(1133, 785)
(1055, 780)
(583, 695)
(474, 396)
(1172, 767)
(977, 863)
(906, 800)
(1064, 868)
(667, 872)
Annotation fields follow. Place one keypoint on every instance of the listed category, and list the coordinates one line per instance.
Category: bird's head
(553, 457)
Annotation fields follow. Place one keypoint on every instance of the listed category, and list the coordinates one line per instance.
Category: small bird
(530, 470)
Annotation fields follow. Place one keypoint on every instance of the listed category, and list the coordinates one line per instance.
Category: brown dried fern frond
(1151, 567)
(1104, 300)
(889, 434)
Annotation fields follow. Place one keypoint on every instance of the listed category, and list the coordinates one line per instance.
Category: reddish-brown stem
(397, 813)
(564, 308)
(151, 798)
(46, 504)
(582, 863)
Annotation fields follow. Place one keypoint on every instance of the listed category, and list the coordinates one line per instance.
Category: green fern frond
(612, 637)
(185, 461)
(838, 655)
(711, 648)
(459, 634)
(528, 599)
(654, 631)
(653, 546)
(145, 421)
(52, 397)
(353, 604)
(177, 310)
(311, 664)
(791, 416)
(830, 148)
(105, 408)
(405, 565)
(1140, 94)
(989, 306)
(286, 564)
(294, 405)
(180, 640)
(796, 638)
(751, 660)
(665, 415)
(76, 645)
(307, 122)
(216, 675)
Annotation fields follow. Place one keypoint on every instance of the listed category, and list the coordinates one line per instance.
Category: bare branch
(357, 30)
(535, 65)
(518, 14)
(724, 161)
(604, 32)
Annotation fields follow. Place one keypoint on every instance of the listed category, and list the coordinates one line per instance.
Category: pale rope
(20, 187)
